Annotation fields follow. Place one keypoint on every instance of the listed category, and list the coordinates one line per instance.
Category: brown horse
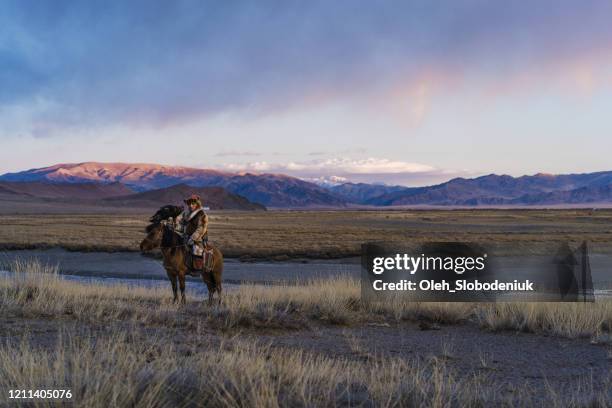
(173, 248)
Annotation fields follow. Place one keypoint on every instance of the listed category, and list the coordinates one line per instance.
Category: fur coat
(195, 225)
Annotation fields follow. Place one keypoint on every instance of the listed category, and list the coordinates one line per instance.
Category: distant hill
(587, 194)
(361, 193)
(217, 198)
(267, 189)
(277, 190)
(494, 189)
(139, 176)
(56, 197)
(88, 191)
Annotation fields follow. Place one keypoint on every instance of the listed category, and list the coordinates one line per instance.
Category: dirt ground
(508, 361)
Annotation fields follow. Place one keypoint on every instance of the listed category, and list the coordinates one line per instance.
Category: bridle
(172, 229)
(164, 225)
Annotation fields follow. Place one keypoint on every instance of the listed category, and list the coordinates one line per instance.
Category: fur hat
(194, 198)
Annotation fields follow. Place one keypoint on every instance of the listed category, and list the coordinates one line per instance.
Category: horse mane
(171, 239)
(152, 226)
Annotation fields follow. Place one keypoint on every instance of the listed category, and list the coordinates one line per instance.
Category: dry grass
(37, 290)
(128, 367)
(119, 371)
(560, 319)
(322, 234)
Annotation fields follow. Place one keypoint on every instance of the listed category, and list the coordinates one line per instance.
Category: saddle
(200, 259)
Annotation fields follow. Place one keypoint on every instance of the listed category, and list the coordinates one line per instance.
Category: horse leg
(219, 290)
(182, 286)
(216, 287)
(209, 285)
(216, 277)
(172, 277)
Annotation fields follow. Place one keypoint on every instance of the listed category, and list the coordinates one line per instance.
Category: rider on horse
(194, 223)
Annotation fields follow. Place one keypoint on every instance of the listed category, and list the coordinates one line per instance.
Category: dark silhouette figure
(574, 273)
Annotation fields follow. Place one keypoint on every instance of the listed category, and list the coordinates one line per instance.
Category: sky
(398, 92)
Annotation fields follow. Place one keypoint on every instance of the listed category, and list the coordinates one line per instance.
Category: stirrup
(194, 272)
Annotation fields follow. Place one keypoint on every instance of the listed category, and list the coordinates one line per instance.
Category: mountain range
(275, 190)
(492, 189)
(139, 184)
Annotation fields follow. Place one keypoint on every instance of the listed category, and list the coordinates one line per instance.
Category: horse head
(155, 232)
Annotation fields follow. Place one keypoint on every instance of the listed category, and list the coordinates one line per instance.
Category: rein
(184, 244)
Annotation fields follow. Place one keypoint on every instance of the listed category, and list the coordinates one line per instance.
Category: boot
(190, 267)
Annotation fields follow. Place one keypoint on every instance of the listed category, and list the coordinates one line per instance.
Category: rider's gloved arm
(180, 223)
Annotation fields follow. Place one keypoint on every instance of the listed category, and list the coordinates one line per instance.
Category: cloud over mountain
(370, 170)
